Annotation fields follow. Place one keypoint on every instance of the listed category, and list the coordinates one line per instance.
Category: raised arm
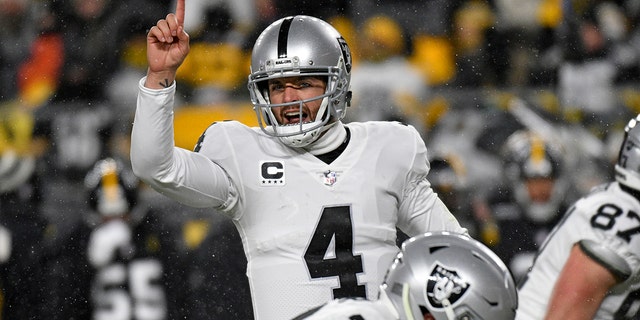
(183, 175)
(167, 47)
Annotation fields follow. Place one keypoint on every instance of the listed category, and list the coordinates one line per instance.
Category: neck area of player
(330, 140)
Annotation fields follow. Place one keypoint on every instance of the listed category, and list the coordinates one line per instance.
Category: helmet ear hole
(263, 87)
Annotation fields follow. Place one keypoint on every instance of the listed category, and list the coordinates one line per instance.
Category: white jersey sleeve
(421, 209)
(183, 175)
(607, 216)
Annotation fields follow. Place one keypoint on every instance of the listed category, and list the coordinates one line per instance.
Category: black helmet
(112, 190)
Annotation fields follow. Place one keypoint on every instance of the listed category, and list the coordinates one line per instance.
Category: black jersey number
(335, 224)
(605, 218)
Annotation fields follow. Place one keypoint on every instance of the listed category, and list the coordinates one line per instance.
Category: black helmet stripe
(283, 37)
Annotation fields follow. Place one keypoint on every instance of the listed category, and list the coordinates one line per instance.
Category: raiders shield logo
(346, 53)
(444, 284)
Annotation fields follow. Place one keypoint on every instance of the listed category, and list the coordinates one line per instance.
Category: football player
(588, 267)
(439, 275)
(316, 201)
(127, 250)
(532, 200)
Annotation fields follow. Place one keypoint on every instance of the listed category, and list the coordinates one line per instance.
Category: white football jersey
(311, 231)
(608, 216)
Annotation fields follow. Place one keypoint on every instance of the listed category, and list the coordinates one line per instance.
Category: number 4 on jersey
(335, 224)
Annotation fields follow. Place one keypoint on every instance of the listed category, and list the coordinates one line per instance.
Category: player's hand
(167, 47)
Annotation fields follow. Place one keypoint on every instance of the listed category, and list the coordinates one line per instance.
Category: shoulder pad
(607, 258)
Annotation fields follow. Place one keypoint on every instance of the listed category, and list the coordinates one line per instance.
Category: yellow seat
(191, 121)
(221, 65)
(433, 57)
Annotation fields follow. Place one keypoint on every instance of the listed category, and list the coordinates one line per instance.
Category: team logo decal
(272, 173)
(444, 284)
(346, 53)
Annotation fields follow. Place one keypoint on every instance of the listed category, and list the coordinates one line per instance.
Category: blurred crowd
(521, 102)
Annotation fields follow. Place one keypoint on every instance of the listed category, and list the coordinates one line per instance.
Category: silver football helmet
(449, 276)
(628, 166)
(300, 46)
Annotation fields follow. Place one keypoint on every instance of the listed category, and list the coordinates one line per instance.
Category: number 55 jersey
(130, 274)
(609, 217)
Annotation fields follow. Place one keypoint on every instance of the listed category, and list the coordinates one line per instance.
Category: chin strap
(406, 303)
(448, 310)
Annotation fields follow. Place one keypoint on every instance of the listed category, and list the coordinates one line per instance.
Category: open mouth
(294, 117)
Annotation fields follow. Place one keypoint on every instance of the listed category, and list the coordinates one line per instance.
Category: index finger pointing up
(180, 12)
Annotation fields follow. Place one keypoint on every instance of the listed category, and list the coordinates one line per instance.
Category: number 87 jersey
(314, 231)
(606, 223)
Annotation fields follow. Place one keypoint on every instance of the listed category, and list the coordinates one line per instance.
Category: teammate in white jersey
(589, 266)
(437, 275)
(316, 202)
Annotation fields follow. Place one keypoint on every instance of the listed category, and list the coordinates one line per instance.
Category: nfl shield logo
(329, 177)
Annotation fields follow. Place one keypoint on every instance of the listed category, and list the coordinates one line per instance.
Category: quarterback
(316, 201)
(589, 266)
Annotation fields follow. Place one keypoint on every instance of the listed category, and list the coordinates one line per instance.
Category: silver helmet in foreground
(449, 276)
(300, 46)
